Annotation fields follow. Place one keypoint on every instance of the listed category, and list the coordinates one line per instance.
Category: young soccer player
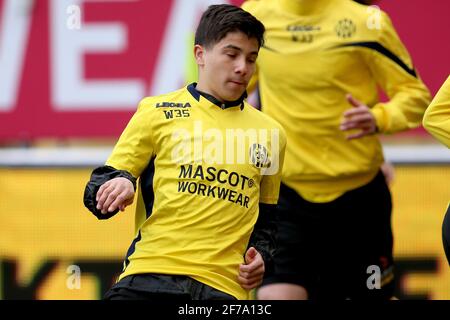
(209, 172)
(319, 72)
(437, 122)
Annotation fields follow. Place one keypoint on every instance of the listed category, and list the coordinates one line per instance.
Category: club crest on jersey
(259, 156)
(345, 28)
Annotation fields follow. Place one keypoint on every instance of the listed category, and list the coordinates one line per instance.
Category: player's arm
(103, 179)
(437, 117)
(391, 66)
(263, 236)
(262, 243)
(393, 69)
(112, 187)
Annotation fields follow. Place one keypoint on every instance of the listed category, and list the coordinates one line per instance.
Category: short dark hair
(220, 19)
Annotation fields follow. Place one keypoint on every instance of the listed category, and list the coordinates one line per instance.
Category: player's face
(226, 68)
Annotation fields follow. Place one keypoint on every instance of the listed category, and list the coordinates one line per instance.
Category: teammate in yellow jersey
(437, 116)
(318, 74)
(437, 122)
(209, 169)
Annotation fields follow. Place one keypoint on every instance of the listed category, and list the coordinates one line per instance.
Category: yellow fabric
(204, 210)
(313, 56)
(437, 117)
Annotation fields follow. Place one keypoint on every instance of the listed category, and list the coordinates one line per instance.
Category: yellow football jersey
(203, 170)
(313, 56)
(437, 117)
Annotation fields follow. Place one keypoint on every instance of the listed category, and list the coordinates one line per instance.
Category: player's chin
(234, 91)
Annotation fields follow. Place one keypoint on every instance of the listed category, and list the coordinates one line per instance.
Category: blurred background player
(437, 122)
(195, 217)
(318, 74)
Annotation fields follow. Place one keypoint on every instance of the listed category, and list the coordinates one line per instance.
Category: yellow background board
(42, 217)
(420, 198)
(45, 229)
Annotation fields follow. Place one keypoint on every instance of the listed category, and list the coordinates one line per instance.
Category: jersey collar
(223, 105)
(304, 7)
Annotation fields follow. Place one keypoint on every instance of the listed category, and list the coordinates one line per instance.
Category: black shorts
(340, 249)
(160, 287)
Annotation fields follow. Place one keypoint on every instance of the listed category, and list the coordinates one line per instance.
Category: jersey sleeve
(392, 68)
(270, 183)
(437, 117)
(135, 147)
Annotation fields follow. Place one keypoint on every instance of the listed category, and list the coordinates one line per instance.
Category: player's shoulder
(259, 8)
(357, 10)
(361, 21)
(154, 102)
(263, 120)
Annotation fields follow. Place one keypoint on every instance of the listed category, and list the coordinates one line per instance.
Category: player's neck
(208, 94)
(304, 7)
(201, 87)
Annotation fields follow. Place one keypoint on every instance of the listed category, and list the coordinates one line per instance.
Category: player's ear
(199, 54)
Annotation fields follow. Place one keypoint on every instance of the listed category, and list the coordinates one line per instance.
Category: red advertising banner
(77, 68)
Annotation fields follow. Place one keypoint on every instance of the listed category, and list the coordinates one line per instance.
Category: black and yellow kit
(335, 206)
(314, 54)
(204, 167)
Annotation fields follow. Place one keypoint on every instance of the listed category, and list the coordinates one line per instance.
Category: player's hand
(358, 117)
(251, 273)
(115, 193)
